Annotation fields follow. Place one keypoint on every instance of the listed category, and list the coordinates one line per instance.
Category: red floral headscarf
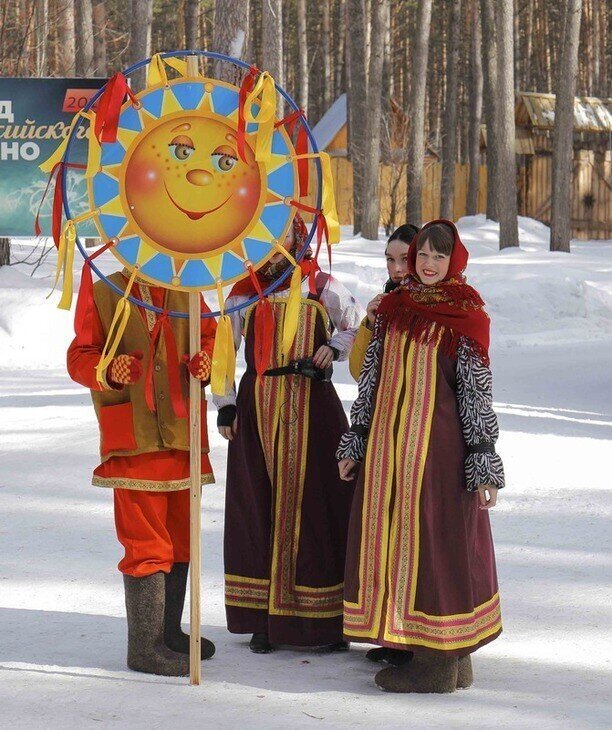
(452, 306)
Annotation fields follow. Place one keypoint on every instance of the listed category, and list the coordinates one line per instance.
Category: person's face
(431, 266)
(397, 260)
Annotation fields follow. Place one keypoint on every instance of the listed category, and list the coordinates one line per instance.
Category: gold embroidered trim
(388, 571)
(283, 408)
(149, 485)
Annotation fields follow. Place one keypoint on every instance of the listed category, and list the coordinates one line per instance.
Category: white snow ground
(62, 626)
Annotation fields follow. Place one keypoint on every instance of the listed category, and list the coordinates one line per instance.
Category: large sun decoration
(176, 198)
(193, 184)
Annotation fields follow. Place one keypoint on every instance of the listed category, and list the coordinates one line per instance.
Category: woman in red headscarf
(286, 509)
(420, 576)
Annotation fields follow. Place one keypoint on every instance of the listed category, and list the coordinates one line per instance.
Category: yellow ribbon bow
(223, 368)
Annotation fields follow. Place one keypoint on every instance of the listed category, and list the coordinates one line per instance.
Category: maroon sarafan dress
(420, 571)
(287, 511)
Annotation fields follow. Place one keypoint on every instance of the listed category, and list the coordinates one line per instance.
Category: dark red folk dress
(287, 511)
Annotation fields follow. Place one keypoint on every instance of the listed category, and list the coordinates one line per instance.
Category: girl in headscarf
(420, 578)
(286, 514)
(396, 255)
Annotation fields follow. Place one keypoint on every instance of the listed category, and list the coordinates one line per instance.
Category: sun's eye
(182, 147)
(223, 162)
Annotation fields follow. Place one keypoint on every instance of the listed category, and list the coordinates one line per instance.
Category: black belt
(306, 368)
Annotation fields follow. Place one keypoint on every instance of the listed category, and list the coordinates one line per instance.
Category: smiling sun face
(187, 188)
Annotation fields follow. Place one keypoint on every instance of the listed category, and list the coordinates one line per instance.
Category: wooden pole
(195, 461)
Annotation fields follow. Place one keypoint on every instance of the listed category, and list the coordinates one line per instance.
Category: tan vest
(127, 426)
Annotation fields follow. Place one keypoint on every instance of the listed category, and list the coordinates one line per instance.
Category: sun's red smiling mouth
(194, 215)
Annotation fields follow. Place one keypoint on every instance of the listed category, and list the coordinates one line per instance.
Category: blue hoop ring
(283, 276)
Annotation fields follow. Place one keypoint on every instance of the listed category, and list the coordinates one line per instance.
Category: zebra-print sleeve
(353, 442)
(478, 420)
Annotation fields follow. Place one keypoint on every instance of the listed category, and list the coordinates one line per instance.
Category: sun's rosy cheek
(145, 176)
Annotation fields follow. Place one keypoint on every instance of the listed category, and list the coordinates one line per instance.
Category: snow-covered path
(62, 631)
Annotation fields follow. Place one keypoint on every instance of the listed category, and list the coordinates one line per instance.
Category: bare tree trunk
(192, 25)
(356, 29)
(449, 119)
(272, 38)
(99, 39)
(371, 202)
(84, 36)
(563, 147)
(140, 38)
(327, 66)
(595, 91)
(529, 45)
(302, 56)
(42, 34)
(230, 35)
(340, 42)
(65, 30)
(506, 184)
(5, 251)
(491, 103)
(416, 114)
(516, 49)
(25, 24)
(475, 104)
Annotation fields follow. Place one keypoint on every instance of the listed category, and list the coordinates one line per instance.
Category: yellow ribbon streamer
(94, 150)
(263, 94)
(156, 70)
(223, 368)
(58, 155)
(328, 197)
(65, 261)
(115, 331)
(178, 64)
(329, 200)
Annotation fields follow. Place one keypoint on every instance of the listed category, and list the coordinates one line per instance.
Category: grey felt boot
(395, 657)
(424, 674)
(465, 676)
(144, 603)
(174, 636)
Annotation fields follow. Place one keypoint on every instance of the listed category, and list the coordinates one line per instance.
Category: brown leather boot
(424, 674)
(174, 636)
(465, 676)
(144, 603)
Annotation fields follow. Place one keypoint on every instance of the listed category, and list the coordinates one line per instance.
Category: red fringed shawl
(452, 306)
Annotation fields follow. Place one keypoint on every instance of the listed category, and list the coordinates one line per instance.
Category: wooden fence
(591, 197)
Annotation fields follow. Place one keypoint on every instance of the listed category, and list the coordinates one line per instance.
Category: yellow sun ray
(170, 104)
(260, 233)
(214, 265)
(113, 171)
(126, 136)
(145, 253)
(206, 102)
(113, 207)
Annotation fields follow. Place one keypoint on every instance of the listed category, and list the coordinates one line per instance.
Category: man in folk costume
(286, 513)
(420, 574)
(140, 402)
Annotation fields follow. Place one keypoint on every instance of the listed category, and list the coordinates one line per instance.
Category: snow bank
(533, 296)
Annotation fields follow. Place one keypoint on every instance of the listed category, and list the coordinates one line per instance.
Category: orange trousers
(153, 527)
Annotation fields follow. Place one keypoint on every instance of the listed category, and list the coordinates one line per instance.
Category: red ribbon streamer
(83, 315)
(264, 328)
(322, 229)
(172, 359)
(55, 176)
(109, 108)
(245, 89)
(301, 145)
